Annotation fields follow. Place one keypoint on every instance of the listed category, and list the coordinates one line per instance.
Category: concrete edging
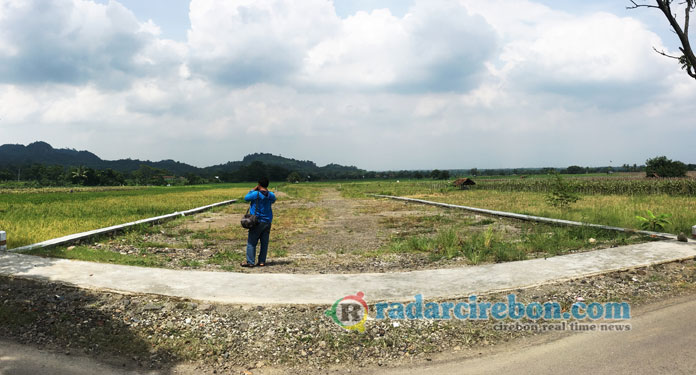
(325, 289)
(97, 232)
(539, 219)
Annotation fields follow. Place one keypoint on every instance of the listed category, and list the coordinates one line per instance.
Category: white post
(693, 231)
(3, 241)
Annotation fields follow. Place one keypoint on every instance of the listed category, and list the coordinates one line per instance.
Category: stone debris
(156, 332)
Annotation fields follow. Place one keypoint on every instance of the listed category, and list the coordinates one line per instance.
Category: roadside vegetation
(496, 242)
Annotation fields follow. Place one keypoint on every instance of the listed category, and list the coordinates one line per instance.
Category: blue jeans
(261, 231)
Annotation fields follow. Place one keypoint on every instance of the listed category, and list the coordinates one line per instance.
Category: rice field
(30, 216)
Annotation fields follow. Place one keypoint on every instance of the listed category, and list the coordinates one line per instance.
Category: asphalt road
(662, 341)
(16, 359)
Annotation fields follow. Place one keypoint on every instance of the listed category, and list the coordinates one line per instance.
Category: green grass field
(33, 215)
(608, 209)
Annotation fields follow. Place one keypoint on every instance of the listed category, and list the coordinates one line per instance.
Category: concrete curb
(539, 219)
(325, 289)
(98, 232)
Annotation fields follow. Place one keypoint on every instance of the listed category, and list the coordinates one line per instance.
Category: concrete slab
(242, 288)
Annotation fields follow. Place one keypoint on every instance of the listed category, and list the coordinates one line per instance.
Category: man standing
(261, 200)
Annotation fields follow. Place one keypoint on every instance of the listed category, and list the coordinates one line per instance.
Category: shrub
(478, 248)
(561, 194)
(662, 167)
(654, 223)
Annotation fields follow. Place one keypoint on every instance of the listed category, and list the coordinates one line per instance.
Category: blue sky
(172, 15)
(382, 84)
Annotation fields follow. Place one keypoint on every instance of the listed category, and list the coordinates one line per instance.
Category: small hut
(464, 183)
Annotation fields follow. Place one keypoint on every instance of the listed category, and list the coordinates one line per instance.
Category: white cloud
(436, 46)
(596, 59)
(70, 41)
(514, 83)
(365, 52)
(598, 48)
(17, 105)
(243, 42)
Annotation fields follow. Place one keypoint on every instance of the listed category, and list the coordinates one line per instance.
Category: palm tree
(79, 175)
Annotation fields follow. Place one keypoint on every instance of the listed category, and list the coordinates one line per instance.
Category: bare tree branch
(688, 59)
(687, 14)
(636, 6)
(663, 53)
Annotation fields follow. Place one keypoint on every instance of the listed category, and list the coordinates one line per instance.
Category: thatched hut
(464, 183)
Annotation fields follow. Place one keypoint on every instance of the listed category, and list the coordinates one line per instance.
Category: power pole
(19, 173)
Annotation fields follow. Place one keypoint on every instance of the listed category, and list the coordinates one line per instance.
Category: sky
(379, 84)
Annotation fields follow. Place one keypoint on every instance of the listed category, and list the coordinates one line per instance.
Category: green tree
(437, 174)
(55, 175)
(662, 167)
(294, 177)
(193, 179)
(91, 177)
(146, 175)
(110, 177)
(6, 175)
(575, 169)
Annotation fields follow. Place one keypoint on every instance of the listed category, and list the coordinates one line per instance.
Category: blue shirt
(263, 211)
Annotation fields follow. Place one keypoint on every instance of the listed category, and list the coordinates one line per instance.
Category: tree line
(56, 175)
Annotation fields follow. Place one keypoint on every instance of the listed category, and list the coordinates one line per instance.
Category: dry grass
(616, 210)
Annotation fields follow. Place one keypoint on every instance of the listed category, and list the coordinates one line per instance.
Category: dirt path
(343, 230)
(324, 234)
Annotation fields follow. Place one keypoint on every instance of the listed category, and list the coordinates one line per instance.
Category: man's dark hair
(263, 181)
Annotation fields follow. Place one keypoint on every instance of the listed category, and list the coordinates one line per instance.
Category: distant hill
(301, 166)
(268, 159)
(44, 153)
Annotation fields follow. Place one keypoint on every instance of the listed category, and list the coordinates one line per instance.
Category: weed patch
(100, 256)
